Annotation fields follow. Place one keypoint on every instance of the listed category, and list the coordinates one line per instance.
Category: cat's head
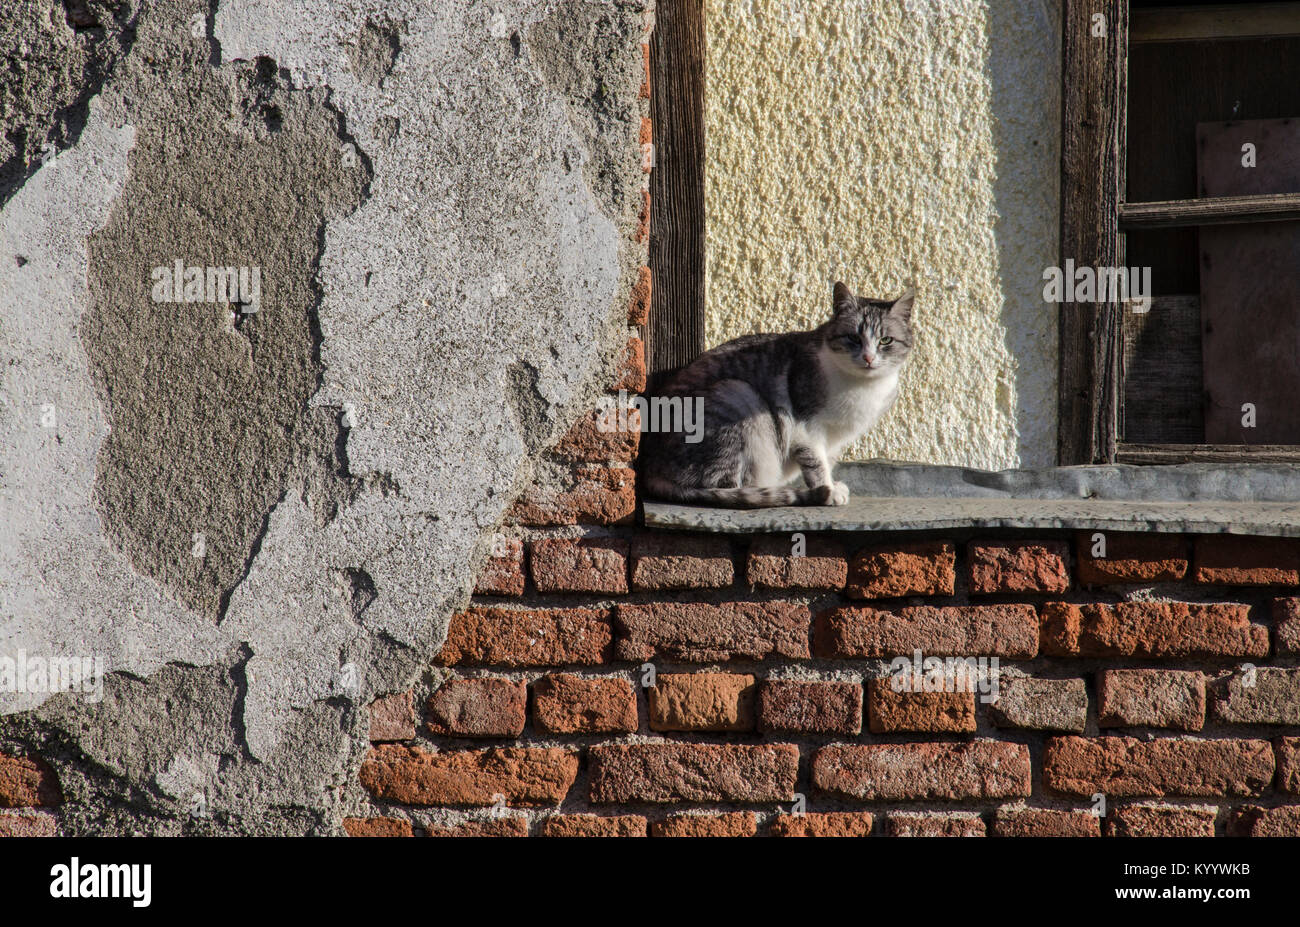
(869, 337)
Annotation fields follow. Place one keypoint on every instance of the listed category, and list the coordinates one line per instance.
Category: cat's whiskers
(777, 406)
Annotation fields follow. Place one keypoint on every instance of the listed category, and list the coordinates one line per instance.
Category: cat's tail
(741, 497)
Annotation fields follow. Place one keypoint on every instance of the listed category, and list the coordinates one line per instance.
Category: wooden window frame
(674, 334)
(1093, 214)
(1094, 217)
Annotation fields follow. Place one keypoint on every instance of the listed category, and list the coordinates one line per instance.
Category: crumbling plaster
(443, 198)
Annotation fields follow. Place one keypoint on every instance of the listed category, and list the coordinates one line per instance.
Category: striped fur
(779, 406)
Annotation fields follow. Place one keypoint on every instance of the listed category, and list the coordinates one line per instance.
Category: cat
(779, 405)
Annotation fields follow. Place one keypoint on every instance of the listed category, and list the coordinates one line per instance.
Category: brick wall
(610, 680)
(1162, 676)
(615, 681)
(29, 790)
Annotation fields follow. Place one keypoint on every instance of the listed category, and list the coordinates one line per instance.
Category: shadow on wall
(1024, 73)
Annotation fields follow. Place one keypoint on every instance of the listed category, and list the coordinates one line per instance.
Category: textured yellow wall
(888, 143)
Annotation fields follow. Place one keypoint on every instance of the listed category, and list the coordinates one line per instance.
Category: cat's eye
(851, 340)
(886, 340)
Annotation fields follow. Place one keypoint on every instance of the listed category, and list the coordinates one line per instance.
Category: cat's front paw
(839, 495)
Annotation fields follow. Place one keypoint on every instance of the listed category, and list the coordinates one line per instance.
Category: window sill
(1190, 498)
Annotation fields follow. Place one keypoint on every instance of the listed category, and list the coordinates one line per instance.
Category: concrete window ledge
(1192, 498)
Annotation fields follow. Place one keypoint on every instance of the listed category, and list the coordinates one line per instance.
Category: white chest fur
(854, 407)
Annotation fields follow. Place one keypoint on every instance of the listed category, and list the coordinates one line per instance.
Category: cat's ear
(902, 307)
(842, 298)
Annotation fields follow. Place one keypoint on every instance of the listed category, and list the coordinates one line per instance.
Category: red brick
(514, 825)
(630, 374)
(1286, 626)
(923, 771)
(377, 827)
(642, 233)
(392, 717)
(684, 561)
(602, 436)
(1231, 560)
(1132, 558)
(1154, 820)
(567, 704)
(503, 573)
(1155, 630)
(963, 630)
(890, 712)
(1253, 821)
(28, 825)
(927, 824)
(730, 824)
(892, 570)
(1045, 822)
(646, 139)
(1018, 566)
(645, 83)
(531, 637)
(596, 565)
(1151, 698)
(27, 782)
(597, 496)
(771, 564)
(826, 824)
(673, 772)
(700, 632)
(792, 707)
(638, 310)
(1288, 764)
(1271, 697)
(1036, 704)
(479, 708)
(524, 776)
(592, 825)
(1124, 767)
(701, 702)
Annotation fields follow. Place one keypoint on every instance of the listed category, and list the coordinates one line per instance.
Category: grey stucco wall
(262, 520)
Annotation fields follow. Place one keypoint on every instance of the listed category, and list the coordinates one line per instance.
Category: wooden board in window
(1162, 371)
(1250, 287)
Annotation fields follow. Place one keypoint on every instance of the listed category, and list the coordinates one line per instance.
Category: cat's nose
(869, 358)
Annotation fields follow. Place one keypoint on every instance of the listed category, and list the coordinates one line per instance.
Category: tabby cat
(779, 405)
